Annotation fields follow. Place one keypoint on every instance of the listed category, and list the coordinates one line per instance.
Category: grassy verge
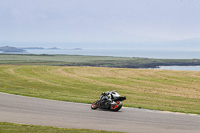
(177, 91)
(98, 61)
(21, 128)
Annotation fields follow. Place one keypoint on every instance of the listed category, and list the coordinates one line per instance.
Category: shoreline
(93, 61)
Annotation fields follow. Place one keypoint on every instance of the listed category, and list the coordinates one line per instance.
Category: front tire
(94, 105)
(116, 107)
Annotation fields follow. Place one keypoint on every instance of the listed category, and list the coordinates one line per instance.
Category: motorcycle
(114, 105)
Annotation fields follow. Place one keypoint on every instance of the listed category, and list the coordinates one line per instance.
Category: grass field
(177, 91)
(21, 128)
(98, 61)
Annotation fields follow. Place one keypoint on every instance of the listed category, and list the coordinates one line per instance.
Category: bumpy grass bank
(21, 128)
(97, 61)
(177, 91)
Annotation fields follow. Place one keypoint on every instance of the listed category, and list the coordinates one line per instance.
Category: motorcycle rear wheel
(116, 107)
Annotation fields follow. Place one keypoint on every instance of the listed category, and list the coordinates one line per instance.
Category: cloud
(93, 20)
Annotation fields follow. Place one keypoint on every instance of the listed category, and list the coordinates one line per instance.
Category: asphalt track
(35, 111)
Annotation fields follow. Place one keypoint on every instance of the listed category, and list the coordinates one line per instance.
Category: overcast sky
(99, 20)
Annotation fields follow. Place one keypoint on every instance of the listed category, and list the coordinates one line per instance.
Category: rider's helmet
(106, 93)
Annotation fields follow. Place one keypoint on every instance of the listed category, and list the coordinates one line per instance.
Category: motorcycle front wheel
(94, 105)
(116, 107)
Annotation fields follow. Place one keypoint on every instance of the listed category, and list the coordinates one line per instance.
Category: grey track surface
(27, 110)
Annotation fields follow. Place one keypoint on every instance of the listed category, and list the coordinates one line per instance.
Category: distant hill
(32, 48)
(11, 49)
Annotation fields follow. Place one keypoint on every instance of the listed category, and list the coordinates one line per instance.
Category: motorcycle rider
(106, 97)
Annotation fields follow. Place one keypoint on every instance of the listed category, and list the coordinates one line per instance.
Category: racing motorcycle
(114, 104)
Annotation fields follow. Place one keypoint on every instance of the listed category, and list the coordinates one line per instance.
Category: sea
(182, 68)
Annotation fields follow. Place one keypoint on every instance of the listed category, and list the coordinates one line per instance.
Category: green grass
(61, 58)
(21, 128)
(99, 61)
(177, 91)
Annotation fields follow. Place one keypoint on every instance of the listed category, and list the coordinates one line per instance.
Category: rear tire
(117, 107)
(94, 105)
